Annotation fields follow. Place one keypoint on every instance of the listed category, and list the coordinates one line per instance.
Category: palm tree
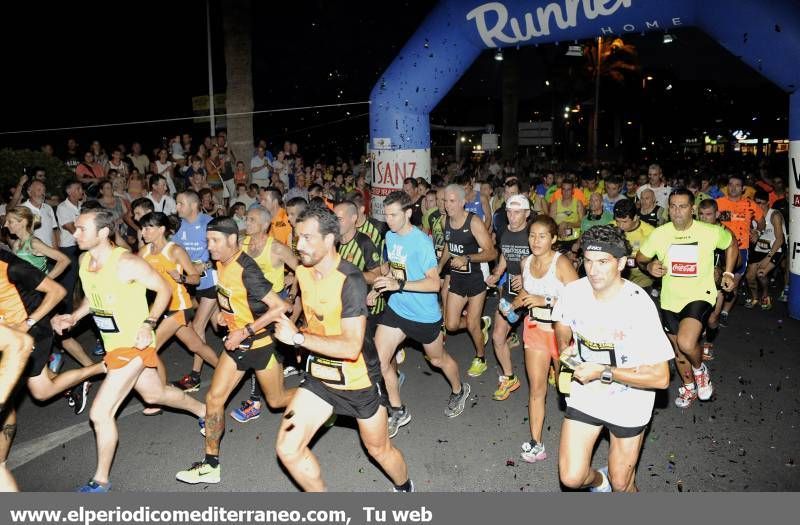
(611, 58)
(237, 27)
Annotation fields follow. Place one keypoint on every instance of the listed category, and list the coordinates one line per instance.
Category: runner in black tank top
(514, 247)
(467, 244)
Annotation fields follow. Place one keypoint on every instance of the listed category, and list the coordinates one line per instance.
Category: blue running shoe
(56, 361)
(202, 424)
(94, 488)
(249, 411)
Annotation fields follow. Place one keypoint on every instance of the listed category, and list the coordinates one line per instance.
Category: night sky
(70, 64)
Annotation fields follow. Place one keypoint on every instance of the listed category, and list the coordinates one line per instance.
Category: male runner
(192, 237)
(767, 252)
(514, 247)
(622, 358)
(115, 283)
(685, 251)
(16, 348)
(247, 306)
(341, 367)
(468, 245)
(413, 309)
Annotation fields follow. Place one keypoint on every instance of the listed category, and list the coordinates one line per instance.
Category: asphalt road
(745, 439)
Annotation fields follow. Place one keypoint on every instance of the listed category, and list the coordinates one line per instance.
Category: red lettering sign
(684, 268)
(391, 174)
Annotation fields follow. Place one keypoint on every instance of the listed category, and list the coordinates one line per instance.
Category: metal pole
(210, 71)
(596, 100)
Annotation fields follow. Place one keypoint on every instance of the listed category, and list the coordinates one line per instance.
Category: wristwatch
(298, 339)
(30, 321)
(152, 322)
(607, 376)
(548, 301)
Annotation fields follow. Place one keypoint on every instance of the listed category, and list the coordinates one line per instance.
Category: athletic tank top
(652, 217)
(119, 307)
(568, 214)
(764, 242)
(273, 274)
(474, 206)
(25, 253)
(515, 247)
(163, 264)
(192, 236)
(461, 242)
(546, 285)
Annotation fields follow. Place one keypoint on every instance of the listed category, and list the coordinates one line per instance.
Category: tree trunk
(510, 138)
(237, 26)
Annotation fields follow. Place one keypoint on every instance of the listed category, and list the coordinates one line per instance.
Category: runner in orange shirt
(738, 213)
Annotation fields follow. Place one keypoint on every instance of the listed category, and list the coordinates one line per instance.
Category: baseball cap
(518, 202)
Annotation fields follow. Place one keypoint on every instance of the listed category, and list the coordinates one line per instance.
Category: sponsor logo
(679, 268)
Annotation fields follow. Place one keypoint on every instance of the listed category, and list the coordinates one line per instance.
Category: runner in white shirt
(158, 195)
(618, 361)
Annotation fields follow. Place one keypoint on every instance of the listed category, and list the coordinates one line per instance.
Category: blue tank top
(475, 206)
(192, 236)
(410, 256)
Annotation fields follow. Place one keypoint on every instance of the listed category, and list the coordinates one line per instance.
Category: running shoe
(486, 324)
(766, 303)
(708, 351)
(750, 303)
(506, 386)
(56, 361)
(290, 371)
(398, 417)
(80, 395)
(199, 473)
(457, 402)
(513, 340)
(704, 387)
(686, 397)
(533, 451)
(477, 368)
(400, 356)
(249, 411)
(99, 350)
(784, 296)
(410, 489)
(94, 487)
(605, 486)
(723, 319)
(188, 383)
(202, 424)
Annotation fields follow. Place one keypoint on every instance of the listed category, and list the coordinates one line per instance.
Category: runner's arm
(182, 258)
(277, 307)
(488, 216)
(488, 252)
(285, 255)
(644, 376)
(53, 293)
(498, 271)
(62, 261)
(16, 348)
(132, 266)
(777, 227)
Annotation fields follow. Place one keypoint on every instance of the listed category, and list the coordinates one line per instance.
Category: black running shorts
(616, 430)
(360, 404)
(699, 310)
(424, 333)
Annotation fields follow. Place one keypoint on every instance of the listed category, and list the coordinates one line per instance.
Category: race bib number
(683, 260)
(105, 322)
(541, 314)
(326, 370)
(763, 245)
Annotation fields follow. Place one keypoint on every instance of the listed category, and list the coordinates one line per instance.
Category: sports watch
(30, 322)
(298, 339)
(607, 376)
(548, 301)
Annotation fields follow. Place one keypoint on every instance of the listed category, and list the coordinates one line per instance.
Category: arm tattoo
(9, 431)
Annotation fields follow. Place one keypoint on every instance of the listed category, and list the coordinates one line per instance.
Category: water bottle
(508, 311)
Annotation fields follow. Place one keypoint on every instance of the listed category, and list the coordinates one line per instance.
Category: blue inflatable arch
(764, 34)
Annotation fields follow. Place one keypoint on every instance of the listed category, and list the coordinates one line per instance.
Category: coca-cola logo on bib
(679, 268)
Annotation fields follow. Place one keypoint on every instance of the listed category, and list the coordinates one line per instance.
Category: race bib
(683, 260)
(326, 370)
(763, 245)
(105, 322)
(541, 314)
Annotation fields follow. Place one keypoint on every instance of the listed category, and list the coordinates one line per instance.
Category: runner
(766, 254)
(413, 309)
(272, 258)
(467, 245)
(247, 304)
(685, 251)
(738, 213)
(636, 231)
(191, 236)
(115, 283)
(173, 264)
(708, 213)
(16, 348)
(544, 274)
(568, 213)
(514, 247)
(341, 367)
(622, 359)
